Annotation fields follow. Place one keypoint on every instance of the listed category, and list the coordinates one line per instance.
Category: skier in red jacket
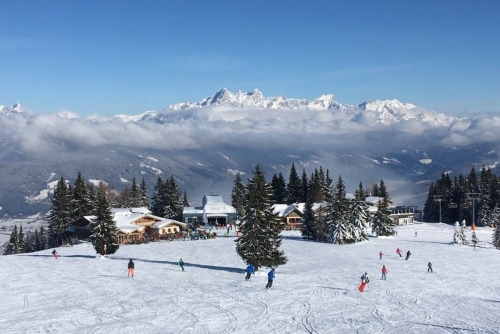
(399, 252)
(384, 272)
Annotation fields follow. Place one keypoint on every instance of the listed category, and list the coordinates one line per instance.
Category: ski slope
(315, 292)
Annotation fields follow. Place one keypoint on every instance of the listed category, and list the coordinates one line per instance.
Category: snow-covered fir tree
(260, 241)
(338, 222)
(103, 226)
(278, 184)
(12, 247)
(496, 231)
(134, 200)
(459, 237)
(185, 200)
(60, 213)
(360, 220)
(383, 224)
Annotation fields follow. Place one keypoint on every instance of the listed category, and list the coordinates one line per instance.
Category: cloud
(224, 126)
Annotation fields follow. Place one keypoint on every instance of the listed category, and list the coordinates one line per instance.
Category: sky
(316, 291)
(125, 57)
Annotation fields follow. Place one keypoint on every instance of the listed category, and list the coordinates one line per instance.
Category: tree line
(329, 214)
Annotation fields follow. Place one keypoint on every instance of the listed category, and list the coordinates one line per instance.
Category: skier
(416, 233)
(429, 267)
(380, 254)
(399, 252)
(384, 272)
(54, 254)
(270, 278)
(181, 264)
(364, 280)
(249, 271)
(407, 255)
(130, 268)
(474, 239)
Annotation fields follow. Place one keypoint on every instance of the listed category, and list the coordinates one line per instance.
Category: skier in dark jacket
(429, 267)
(181, 264)
(250, 270)
(407, 255)
(54, 254)
(270, 279)
(130, 268)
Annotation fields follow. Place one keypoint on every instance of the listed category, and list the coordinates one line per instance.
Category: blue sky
(125, 57)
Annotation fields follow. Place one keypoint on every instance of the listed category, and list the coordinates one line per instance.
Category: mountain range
(204, 144)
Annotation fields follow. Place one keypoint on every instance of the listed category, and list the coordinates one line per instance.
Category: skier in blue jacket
(270, 278)
(250, 270)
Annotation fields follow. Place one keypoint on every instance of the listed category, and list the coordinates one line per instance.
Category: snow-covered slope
(315, 292)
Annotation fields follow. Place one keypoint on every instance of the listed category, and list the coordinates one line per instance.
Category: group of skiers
(270, 275)
(365, 279)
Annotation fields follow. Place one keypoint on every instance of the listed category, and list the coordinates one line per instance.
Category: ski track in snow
(315, 292)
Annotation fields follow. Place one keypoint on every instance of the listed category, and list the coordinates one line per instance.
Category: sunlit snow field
(315, 292)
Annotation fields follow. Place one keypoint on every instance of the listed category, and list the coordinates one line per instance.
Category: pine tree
(42, 242)
(383, 224)
(143, 194)
(338, 221)
(496, 232)
(21, 242)
(308, 227)
(360, 220)
(12, 245)
(260, 240)
(173, 206)
(81, 202)
(104, 238)
(134, 200)
(459, 237)
(294, 187)
(238, 197)
(278, 184)
(158, 201)
(60, 213)
(304, 187)
(185, 200)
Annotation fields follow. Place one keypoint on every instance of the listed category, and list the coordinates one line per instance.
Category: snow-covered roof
(373, 199)
(284, 210)
(166, 222)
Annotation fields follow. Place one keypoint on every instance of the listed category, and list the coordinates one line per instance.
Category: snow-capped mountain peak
(15, 109)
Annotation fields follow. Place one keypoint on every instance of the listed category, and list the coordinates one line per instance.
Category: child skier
(429, 267)
(407, 255)
(130, 268)
(54, 254)
(380, 254)
(181, 264)
(384, 272)
(249, 271)
(270, 279)
(364, 280)
(399, 252)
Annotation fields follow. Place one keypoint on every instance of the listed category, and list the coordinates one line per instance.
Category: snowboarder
(384, 272)
(181, 264)
(130, 267)
(364, 280)
(407, 255)
(270, 278)
(249, 271)
(429, 267)
(54, 254)
(399, 252)
(380, 254)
